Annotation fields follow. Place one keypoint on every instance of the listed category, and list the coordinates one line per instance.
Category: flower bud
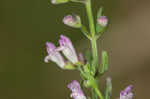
(72, 20)
(59, 1)
(103, 21)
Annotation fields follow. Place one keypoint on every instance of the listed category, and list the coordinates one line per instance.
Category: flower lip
(54, 55)
(128, 89)
(64, 40)
(50, 47)
(127, 93)
(67, 49)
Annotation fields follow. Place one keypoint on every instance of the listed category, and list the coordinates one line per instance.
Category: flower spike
(54, 55)
(67, 48)
(77, 93)
(127, 93)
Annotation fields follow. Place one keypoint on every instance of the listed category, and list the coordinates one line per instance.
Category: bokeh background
(25, 26)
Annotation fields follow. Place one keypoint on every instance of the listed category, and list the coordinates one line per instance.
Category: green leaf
(87, 68)
(99, 30)
(104, 64)
(85, 32)
(88, 56)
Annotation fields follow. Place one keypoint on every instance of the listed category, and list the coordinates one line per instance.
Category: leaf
(85, 32)
(87, 68)
(99, 29)
(104, 64)
(88, 56)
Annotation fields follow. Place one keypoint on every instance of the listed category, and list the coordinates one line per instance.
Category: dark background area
(25, 26)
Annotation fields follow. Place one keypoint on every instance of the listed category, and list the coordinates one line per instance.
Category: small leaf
(104, 65)
(87, 68)
(99, 29)
(85, 32)
(88, 56)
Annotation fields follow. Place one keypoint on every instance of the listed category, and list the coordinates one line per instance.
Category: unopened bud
(103, 21)
(72, 20)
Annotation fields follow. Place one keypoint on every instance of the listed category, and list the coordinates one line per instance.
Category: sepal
(85, 32)
(69, 66)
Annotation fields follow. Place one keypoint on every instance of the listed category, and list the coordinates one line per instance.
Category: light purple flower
(67, 48)
(127, 93)
(54, 55)
(72, 20)
(103, 21)
(77, 93)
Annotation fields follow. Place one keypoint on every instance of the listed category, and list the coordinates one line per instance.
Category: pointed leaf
(87, 68)
(104, 64)
(85, 32)
(88, 56)
(99, 13)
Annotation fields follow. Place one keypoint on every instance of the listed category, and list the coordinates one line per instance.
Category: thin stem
(92, 31)
(93, 43)
(99, 93)
(94, 95)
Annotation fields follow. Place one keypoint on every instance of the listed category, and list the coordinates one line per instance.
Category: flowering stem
(93, 43)
(92, 31)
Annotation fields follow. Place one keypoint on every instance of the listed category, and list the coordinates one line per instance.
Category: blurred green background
(25, 26)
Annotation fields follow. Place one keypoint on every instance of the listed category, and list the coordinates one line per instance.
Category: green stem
(92, 31)
(98, 93)
(93, 43)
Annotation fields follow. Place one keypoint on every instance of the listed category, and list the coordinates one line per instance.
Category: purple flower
(54, 55)
(127, 93)
(72, 20)
(103, 21)
(77, 93)
(67, 48)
